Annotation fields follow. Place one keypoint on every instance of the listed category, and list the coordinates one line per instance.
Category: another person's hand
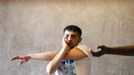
(101, 50)
(22, 58)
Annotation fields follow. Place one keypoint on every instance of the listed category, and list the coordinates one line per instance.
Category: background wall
(33, 26)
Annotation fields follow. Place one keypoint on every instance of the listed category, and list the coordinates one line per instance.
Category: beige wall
(30, 26)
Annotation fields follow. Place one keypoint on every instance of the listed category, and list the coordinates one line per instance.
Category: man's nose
(69, 38)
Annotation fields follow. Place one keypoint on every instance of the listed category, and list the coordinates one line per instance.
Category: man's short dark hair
(73, 28)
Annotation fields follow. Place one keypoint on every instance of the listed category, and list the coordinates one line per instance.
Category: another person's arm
(121, 50)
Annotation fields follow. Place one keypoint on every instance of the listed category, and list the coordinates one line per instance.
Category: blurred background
(34, 26)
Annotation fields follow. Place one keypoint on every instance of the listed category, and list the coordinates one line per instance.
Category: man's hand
(22, 58)
(101, 50)
(66, 44)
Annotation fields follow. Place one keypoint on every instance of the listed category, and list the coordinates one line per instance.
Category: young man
(72, 59)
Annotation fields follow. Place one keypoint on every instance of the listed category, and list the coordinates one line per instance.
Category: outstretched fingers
(22, 61)
(15, 58)
(22, 58)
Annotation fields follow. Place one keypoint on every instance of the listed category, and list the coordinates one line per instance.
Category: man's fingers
(22, 61)
(14, 58)
(66, 42)
(17, 57)
(21, 58)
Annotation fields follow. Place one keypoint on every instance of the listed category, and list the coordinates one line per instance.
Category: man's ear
(80, 40)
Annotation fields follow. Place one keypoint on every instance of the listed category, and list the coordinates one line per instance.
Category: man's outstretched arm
(73, 54)
(48, 56)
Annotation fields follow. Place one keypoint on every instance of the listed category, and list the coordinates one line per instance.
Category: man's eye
(73, 36)
(67, 35)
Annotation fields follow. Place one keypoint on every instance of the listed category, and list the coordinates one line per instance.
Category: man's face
(72, 38)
